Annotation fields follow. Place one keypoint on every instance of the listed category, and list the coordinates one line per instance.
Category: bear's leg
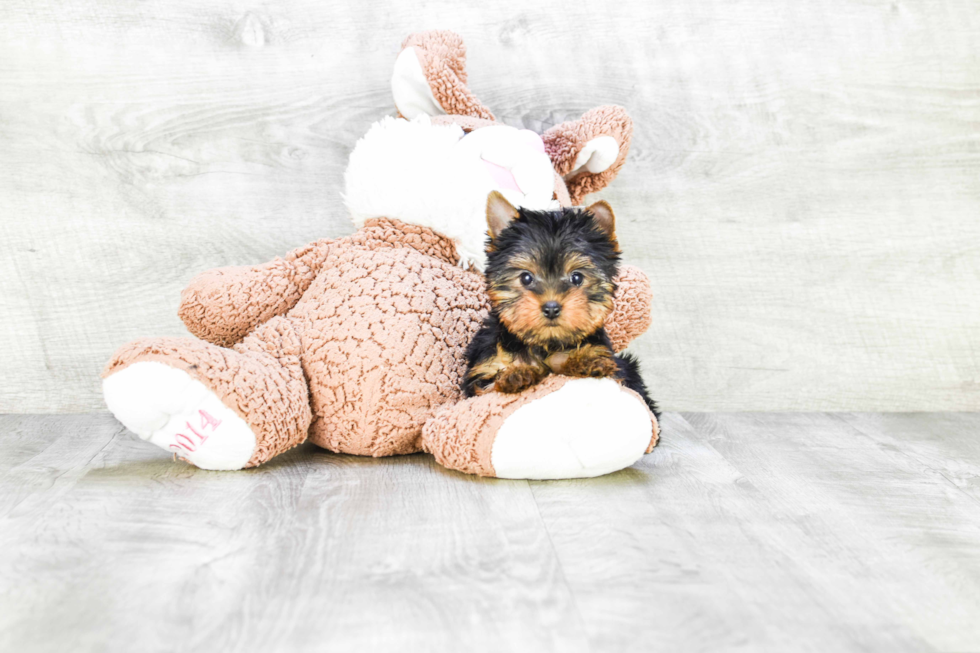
(560, 428)
(215, 408)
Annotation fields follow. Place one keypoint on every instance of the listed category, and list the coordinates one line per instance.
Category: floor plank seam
(561, 566)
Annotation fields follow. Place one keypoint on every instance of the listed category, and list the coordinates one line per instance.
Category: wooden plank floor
(779, 532)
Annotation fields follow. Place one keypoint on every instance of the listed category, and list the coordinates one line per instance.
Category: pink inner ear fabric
(503, 179)
(533, 140)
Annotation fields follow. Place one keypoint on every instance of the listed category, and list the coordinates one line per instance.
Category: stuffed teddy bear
(358, 343)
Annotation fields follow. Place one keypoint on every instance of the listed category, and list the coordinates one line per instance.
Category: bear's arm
(223, 305)
(631, 313)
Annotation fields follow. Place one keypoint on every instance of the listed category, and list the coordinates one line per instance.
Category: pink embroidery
(208, 420)
(200, 437)
(186, 443)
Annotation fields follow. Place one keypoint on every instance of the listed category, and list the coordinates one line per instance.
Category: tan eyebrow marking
(526, 262)
(577, 262)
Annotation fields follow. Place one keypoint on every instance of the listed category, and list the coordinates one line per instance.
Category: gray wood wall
(804, 185)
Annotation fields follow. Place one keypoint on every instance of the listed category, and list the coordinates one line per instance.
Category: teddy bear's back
(384, 331)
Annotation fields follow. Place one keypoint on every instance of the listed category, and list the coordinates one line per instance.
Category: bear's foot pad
(586, 428)
(171, 409)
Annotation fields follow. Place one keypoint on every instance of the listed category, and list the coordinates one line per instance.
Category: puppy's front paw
(515, 379)
(593, 362)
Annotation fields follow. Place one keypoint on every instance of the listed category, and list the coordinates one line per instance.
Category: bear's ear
(500, 213)
(605, 219)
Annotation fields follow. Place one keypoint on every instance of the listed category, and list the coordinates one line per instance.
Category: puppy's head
(550, 273)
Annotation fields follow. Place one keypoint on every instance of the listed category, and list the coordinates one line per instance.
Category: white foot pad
(588, 427)
(177, 413)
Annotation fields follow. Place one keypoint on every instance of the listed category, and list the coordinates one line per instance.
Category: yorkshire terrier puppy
(550, 280)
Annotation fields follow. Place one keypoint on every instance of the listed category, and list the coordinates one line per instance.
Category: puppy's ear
(500, 213)
(604, 219)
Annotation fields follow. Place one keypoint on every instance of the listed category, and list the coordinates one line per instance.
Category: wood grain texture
(803, 188)
(761, 532)
(107, 544)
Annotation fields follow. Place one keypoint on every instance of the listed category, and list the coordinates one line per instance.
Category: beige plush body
(355, 343)
(360, 342)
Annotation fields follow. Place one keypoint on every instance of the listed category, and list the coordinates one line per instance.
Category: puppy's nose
(551, 310)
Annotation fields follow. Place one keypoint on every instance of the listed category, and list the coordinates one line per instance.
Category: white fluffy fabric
(588, 427)
(421, 174)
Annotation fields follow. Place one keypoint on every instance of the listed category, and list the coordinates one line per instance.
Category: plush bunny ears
(430, 79)
(589, 152)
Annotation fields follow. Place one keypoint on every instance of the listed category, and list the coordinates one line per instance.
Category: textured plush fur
(550, 281)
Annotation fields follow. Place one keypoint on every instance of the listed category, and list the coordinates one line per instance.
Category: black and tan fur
(550, 280)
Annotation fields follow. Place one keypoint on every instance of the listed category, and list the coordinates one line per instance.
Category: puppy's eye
(577, 278)
(526, 279)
